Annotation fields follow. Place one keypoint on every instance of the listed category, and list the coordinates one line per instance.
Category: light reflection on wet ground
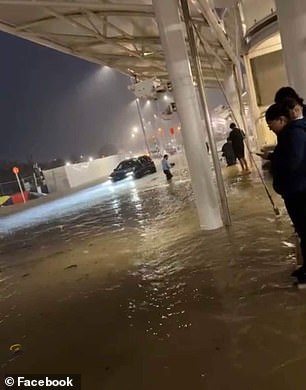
(132, 295)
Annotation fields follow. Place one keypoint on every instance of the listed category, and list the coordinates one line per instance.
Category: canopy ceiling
(121, 34)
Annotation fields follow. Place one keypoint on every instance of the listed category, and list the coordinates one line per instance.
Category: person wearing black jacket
(236, 136)
(228, 153)
(288, 167)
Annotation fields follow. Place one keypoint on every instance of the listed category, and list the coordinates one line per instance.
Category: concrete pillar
(292, 25)
(172, 35)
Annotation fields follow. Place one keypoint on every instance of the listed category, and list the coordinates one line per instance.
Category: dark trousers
(296, 207)
(168, 174)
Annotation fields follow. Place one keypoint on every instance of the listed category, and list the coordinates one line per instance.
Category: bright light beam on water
(59, 208)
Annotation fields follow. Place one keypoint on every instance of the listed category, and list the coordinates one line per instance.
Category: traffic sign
(16, 171)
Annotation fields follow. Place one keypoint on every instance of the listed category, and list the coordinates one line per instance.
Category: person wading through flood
(288, 167)
(236, 136)
(228, 153)
(166, 166)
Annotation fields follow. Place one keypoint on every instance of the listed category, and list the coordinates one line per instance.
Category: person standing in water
(166, 166)
(288, 167)
(236, 136)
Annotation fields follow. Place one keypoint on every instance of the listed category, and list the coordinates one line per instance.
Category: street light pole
(142, 126)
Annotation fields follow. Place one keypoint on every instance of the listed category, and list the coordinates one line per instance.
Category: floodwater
(128, 292)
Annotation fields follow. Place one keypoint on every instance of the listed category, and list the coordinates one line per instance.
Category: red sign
(16, 170)
(172, 131)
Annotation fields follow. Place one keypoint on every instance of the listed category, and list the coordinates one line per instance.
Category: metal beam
(107, 23)
(45, 42)
(93, 5)
(123, 57)
(208, 14)
(115, 27)
(98, 36)
(91, 21)
(208, 49)
(95, 21)
(74, 23)
(68, 19)
(118, 39)
(80, 14)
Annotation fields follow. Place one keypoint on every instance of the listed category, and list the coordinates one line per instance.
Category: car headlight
(130, 174)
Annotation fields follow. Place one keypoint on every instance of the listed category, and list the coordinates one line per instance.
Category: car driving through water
(133, 167)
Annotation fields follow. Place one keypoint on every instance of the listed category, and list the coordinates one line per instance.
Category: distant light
(90, 159)
(133, 135)
(81, 156)
(68, 163)
(135, 129)
(148, 53)
(166, 97)
(104, 71)
(148, 102)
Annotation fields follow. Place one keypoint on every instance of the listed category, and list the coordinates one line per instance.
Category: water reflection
(134, 275)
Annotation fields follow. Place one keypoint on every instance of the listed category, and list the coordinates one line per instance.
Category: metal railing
(11, 187)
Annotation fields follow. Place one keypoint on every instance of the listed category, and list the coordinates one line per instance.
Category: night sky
(54, 105)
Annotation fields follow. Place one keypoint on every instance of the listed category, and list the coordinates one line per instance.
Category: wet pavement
(128, 292)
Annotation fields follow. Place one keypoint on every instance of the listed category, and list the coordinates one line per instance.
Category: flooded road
(129, 293)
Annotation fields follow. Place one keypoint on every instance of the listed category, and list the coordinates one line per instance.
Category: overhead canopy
(121, 34)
